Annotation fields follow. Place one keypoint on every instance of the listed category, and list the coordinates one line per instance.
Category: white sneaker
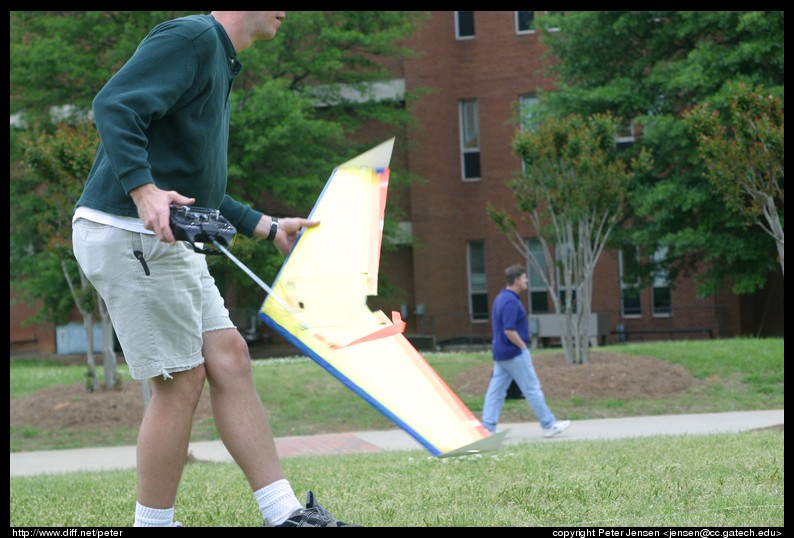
(558, 427)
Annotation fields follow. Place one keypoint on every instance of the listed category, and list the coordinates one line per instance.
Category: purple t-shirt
(508, 313)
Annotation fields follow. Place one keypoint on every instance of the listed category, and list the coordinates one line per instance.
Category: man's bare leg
(164, 436)
(239, 415)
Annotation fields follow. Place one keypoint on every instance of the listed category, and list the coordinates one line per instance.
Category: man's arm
(286, 232)
(156, 78)
(513, 336)
(154, 209)
(253, 223)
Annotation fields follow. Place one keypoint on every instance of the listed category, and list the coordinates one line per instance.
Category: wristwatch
(273, 228)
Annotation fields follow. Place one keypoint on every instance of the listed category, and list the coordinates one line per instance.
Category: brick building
(481, 65)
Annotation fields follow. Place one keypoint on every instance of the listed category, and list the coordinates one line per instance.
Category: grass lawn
(720, 480)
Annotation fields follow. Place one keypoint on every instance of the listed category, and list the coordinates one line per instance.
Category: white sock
(153, 517)
(277, 501)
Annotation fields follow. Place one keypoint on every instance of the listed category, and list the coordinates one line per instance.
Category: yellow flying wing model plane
(318, 303)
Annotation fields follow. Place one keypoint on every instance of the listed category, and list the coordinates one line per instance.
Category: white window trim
(555, 28)
(472, 291)
(628, 138)
(463, 148)
(661, 254)
(531, 271)
(623, 286)
(522, 32)
(457, 30)
(523, 105)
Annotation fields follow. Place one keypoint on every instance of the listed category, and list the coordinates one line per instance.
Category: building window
(524, 22)
(470, 139)
(526, 110)
(526, 121)
(538, 296)
(464, 24)
(661, 295)
(626, 136)
(630, 304)
(553, 15)
(561, 252)
(478, 282)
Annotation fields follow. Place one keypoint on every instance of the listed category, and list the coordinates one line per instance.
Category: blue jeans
(521, 369)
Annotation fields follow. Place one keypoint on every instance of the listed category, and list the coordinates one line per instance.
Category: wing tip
(378, 157)
(489, 444)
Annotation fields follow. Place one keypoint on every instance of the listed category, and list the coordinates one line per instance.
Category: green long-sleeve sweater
(163, 118)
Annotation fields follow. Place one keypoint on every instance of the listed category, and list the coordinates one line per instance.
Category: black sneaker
(313, 515)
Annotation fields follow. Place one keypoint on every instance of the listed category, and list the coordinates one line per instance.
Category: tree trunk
(108, 353)
(88, 321)
(78, 296)
(776, 230)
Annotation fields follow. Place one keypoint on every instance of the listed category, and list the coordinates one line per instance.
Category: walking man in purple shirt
(512, 360)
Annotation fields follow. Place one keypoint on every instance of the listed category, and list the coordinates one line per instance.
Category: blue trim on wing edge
(349, 384)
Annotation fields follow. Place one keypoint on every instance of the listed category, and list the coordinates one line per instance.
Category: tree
(285, 138)
(649, 68)
(61, 59)
(573, 190)
(302, 105)
(44, 199)
(743, 152)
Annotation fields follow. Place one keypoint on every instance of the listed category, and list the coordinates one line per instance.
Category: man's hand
(287, 234)
(154, 209)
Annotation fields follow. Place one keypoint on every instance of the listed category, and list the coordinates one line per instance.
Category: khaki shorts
(159, 317)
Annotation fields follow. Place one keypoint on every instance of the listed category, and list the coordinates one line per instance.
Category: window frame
(526, 102)
(537, 287)
(553, 28)
(626, 136)
(458, 35)
(661, 281)
(531, 29)
(468, 122)
(627, 286)
(477, 282)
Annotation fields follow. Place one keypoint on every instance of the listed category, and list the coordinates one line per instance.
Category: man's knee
(239, 359)
(185, 386)
(227, 352)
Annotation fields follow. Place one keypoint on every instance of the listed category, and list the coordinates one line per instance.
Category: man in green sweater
(163, 121)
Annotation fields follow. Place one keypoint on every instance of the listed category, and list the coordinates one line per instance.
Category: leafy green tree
(573, 190)
(61, 59)
(42, 260)
(743, 150)
(304, 104)
(285, 136)
(649, 68)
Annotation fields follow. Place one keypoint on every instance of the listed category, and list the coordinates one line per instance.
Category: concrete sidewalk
(101, 459)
